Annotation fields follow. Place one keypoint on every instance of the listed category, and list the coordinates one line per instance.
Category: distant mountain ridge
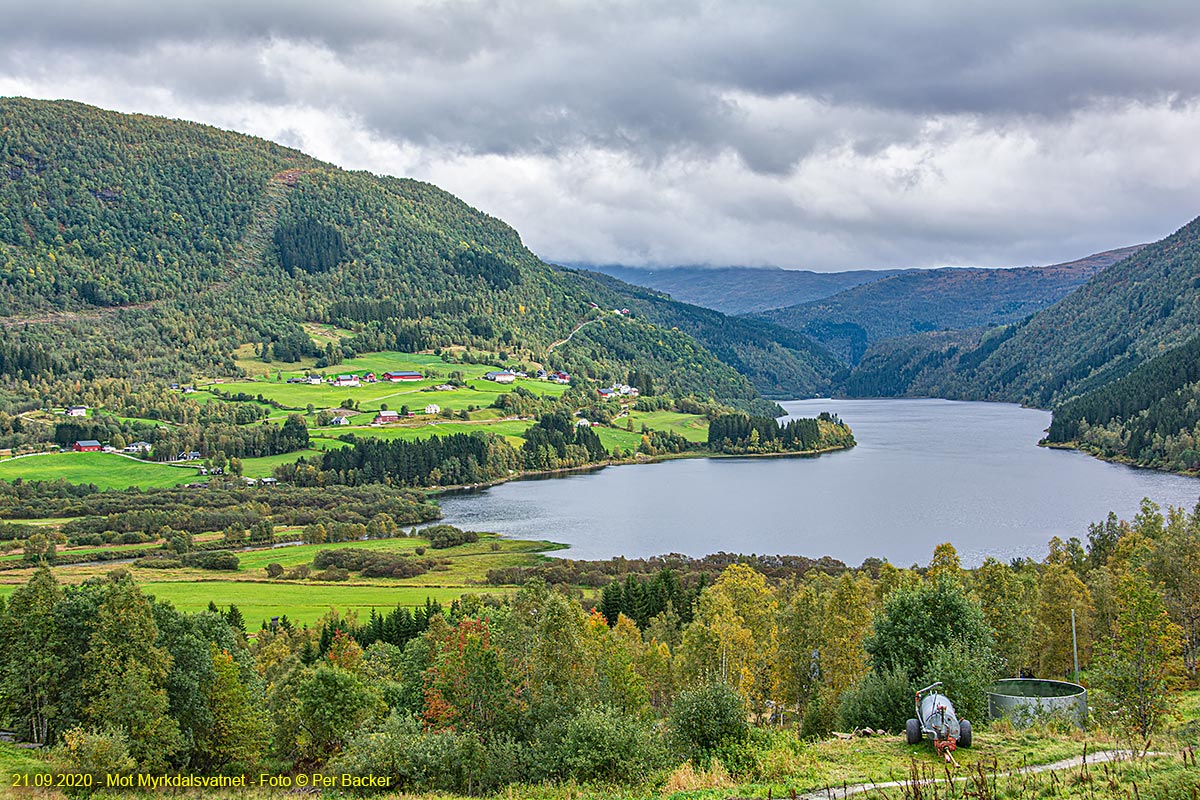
(1130, 312)
(741, 290)
(776, 360)
(918, 301)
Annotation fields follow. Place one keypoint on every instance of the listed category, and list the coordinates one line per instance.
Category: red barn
(403, 376)
(86, 446)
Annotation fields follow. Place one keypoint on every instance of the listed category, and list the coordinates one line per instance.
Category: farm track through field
(840, 792)
(574, 331)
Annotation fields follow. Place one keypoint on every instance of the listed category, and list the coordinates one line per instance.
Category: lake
(924, 472)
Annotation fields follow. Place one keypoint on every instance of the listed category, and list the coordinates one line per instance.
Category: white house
(433, 408)
(76, 411)
(347, 380)
(314, 380)
(339, 421)
(503, 376)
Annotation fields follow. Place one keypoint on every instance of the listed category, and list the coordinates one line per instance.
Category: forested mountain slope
(1135, 310)
(134, 247)
(779, 362)
(1151, 416)
(939, 299)
(743, 290)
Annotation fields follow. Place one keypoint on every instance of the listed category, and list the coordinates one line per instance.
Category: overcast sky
(820, 135)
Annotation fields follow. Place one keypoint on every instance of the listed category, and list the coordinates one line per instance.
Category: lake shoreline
(1124, 461)
(583, 469)
(923, 472)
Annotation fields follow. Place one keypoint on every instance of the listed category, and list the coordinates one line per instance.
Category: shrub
(95, 753)
(966, 672)
(705, 718)
(432, 762)
(158, 562)
(599, 744)
(331, 574)
(299, 573)
(443, 536)
(882, 699)
(222, 560)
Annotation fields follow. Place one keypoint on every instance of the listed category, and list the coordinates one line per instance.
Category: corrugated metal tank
(1027, 700)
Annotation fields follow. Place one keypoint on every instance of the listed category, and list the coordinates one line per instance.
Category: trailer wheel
(912, 731)
(964, 734)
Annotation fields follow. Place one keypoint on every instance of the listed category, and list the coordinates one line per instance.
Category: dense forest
(144, 250)
(1151, 416)
(659, 671)
(738, 433)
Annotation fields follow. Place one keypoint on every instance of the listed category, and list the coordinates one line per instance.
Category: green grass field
(303, 603)
(690, 426)
(510, 429)
(464, 571)
(106, 470)
(369, 397)
(273, 385)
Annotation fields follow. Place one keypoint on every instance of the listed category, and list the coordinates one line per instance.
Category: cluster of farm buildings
(359, 380)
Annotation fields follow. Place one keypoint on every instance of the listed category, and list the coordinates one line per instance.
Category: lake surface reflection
(924, 472)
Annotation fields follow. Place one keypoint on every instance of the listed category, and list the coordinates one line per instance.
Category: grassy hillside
(743, 290)
(932, 300)
(145, 249)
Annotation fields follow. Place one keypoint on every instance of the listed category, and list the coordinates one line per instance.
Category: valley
(332, 464)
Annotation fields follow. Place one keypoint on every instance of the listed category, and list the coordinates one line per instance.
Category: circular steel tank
(1028, 700)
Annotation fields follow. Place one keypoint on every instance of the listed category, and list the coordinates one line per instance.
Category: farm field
(264, 466)
(370, 396)
(272, 384)
(464, 571)
(692, 427)
(510, 429)
(106, 470)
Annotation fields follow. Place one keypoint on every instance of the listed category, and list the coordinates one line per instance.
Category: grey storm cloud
(815, 134)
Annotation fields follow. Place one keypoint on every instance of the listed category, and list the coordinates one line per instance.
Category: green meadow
(106, 470)
(690, 426)
(462, 570)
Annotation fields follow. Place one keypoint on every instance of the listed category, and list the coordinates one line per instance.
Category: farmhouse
(76, 411)
(314, 380)
(347, 380)
(87, 446)
(396, 377)
(433, 408)
(339, 421)
(502, 376)
(138, 447)
(384, 417)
